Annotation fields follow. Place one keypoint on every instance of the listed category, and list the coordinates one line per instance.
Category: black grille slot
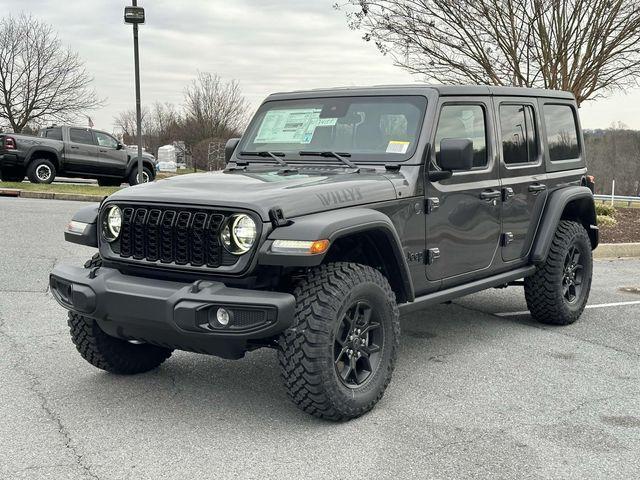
(179, 236)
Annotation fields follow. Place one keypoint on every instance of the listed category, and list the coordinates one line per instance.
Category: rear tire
(558, 292)
(41, 170)
(109, 353)
(338, 357)
(9, 174)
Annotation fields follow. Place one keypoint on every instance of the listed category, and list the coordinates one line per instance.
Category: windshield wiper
(339, 156)
(275, 155)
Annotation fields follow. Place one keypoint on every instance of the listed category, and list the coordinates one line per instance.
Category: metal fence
(617, 199)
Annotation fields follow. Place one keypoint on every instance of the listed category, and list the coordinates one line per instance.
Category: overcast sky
(268, 46)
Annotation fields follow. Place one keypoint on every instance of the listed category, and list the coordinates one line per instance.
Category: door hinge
(507, 238)
(431, 204)
(432, 255)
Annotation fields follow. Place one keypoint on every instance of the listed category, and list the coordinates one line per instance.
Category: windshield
(366, 128)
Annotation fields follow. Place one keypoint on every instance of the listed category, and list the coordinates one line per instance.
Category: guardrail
(617, 199)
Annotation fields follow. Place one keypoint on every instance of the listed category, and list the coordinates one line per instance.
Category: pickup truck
(71, 152)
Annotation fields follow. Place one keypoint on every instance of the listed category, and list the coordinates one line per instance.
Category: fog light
(223, 317)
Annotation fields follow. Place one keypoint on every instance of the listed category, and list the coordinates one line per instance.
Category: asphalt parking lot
(480, 391)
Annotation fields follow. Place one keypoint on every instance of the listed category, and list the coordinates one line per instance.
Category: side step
(461, 290)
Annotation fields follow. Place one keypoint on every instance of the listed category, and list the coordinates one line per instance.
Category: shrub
(606, 221)
(605, 209)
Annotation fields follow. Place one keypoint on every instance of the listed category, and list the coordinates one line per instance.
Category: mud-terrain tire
(341, 308)
(109, 353)
(41, 170)
(147, 174)
(558, 292)
(8, 174)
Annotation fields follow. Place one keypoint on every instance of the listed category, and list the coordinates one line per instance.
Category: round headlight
(239, 234)
(112, 223)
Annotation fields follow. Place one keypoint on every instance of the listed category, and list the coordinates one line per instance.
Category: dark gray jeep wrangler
(337, 210)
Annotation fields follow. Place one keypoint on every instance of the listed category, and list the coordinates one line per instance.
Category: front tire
(147, 176)
(41, 170)
(338, 358)
(558, 292)
(109, 353)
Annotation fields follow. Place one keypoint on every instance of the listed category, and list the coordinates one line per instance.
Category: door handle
(537, 187)
(490, 194)
(74, 148)
(102, 151)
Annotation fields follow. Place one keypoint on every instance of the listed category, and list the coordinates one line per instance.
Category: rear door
(463, 212)
(522, 170)
(81, 151)
(113, 160)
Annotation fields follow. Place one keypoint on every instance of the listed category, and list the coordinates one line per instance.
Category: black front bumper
(173, 314)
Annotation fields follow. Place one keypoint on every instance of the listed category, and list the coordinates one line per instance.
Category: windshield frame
(355, 157)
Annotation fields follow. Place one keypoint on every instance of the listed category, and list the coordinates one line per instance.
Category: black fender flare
(331, 226)
(572, 203)
(89, 237)
(33, 151)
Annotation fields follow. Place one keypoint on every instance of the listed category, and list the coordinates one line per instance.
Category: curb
(12, 192)
(617, 250)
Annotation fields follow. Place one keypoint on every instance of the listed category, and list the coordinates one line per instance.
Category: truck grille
(168, 235)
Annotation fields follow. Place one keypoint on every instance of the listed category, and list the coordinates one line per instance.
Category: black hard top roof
(424, 89)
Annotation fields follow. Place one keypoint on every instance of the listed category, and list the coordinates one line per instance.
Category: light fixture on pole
(135, 15)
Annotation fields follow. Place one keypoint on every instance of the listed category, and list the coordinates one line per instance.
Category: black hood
(309, 191)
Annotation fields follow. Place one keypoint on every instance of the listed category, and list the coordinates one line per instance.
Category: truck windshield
(365, 128)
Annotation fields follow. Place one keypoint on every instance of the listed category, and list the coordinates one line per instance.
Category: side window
(519, 138)
(54, 133)
(562, 133)
(80, 135)
(105, 140)
(464, 121)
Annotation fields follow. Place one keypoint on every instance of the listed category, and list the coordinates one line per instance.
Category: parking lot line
(598, 305)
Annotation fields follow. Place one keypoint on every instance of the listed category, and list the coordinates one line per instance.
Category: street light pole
(136, 61)
(135, 15)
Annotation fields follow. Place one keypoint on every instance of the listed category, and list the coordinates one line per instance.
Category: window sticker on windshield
(291, 126)
(398, 147)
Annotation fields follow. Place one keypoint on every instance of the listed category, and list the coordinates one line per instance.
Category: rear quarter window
(562, 132)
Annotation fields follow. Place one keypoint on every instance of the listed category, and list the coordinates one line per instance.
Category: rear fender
(570, 203)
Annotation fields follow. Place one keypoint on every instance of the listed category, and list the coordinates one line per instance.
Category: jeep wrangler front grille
(174, 236)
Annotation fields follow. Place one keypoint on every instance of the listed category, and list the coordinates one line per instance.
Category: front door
(112, 160)
(81, 152)
(463, 219)
(522, 173)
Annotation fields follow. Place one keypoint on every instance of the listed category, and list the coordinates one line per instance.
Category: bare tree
(40, 80)
(215, 108)
(589, 47)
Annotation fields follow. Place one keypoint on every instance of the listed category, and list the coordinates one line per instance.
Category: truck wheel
(558, 292)
(12, 174)
(41, 170)
(147, 176)
(109, 353)
(338, 357)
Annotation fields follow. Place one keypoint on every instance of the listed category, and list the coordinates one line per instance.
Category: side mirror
(229, 148)
(120, 146)
(456, 154)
